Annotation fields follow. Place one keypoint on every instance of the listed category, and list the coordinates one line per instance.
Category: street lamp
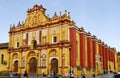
(70, 59)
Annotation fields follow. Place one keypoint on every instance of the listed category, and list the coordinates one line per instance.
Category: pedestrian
(93, 74)
(54, 75)
(19, 75)
(49, 75)
(25, 74)
(44, 75)
(83, 75)
(10, 74)
(72, 76)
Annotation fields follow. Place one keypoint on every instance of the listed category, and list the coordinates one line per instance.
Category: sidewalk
(40, 76)
(35, 76)
(95, 77)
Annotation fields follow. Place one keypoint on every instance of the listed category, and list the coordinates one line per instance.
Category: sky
(100, 17)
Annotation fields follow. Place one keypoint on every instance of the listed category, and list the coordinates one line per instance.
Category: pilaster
(89, 51)
(82, 48)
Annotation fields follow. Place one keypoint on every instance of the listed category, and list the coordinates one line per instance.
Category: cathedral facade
(42, 44)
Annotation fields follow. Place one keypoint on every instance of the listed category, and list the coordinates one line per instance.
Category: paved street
(40, 76)
(35, 76)
(59, 77)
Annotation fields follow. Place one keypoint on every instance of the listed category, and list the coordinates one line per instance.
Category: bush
(4, 63)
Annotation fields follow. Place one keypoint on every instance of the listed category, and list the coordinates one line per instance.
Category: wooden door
(33, 65)
(54, 65)
(15, 66)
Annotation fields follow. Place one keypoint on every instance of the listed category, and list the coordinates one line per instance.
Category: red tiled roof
(3, 45)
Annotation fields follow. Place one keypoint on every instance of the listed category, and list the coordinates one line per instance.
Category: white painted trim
(52, 58)
(14, 60)
(53, 39)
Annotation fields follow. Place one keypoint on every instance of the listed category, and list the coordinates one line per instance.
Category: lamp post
(70, 58)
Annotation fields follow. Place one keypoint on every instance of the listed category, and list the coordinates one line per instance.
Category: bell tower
(35, 16)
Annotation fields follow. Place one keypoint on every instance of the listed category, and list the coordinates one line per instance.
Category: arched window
(34, 44)
(18, 44)
(2, 59)
(26, 42)
(54, 39)
(40, 34)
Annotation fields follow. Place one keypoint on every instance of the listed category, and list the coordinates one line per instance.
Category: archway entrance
(16, 66)
(33, 65)
(54, 65)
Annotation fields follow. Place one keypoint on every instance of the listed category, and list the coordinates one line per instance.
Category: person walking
(10, 74)
(83, 75)
(25, 74)
(44, 75)
(93, 74)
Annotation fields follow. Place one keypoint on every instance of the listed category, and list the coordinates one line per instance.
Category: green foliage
(4, 63)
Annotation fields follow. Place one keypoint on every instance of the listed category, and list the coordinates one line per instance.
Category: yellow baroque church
(43, 44)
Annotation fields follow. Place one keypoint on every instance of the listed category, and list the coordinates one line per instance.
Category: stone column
(82, 48)
(94, 50)
(89, 51)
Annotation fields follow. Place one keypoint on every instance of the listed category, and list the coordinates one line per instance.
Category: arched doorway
(54, 65)
(16, 66)
(33, 65)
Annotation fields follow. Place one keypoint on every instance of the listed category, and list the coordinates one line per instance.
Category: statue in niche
(16, 56)
(23, 61)
(43, 61)
(54, 52)
(63, 61)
